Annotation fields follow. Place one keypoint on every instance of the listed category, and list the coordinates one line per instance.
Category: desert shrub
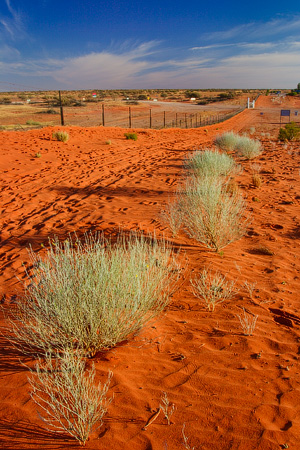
(247, 322)
(173, 216)
(248, 148)
(67, 397)
(132, 136)
(210, 163)
(289, 132)
(227, 141)
(212, 215)
(256, 180)
(212, 288)
(61, 136)
(49, 111)
(93, 294)
(33, 122)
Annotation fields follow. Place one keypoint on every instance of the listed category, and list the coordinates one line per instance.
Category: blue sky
(90, 44)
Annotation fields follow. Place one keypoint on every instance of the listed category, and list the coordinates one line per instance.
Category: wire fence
(161, 119)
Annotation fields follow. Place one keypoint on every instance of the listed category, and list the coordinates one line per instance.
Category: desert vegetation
(204, 207)
(62, 136)
(187, 318)
(91, 295)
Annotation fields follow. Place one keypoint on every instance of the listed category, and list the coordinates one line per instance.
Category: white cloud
(280, 27)
(245, 62)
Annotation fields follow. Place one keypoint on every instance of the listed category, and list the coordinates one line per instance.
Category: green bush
(132, 136)
(61, 136)
(91, 295)
(289, 132)
(34, 123)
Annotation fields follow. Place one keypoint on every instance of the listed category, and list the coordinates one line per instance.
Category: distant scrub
(132, 136)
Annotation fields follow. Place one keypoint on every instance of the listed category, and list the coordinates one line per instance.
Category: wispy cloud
(12, 23)
(234, 58)
(280, 27)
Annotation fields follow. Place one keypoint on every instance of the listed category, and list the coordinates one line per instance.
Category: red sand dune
(231, 391)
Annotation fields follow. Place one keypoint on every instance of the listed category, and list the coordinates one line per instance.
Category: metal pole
(61, 110)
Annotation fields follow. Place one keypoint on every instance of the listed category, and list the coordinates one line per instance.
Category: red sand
(231, 391)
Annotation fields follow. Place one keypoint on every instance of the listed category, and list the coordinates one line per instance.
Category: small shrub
(212, 288)
(49, 111)
(166, 407)
(256, 180)
(62, 136)
(33, 122)
(132, 136)
(248, 322)
(210, 163)
(91, 295)
(108, 142)
(172, 216)
(68, 399)
(227, 141)
(38, 155)
(289, 132)
(211, 215)
(248, 148)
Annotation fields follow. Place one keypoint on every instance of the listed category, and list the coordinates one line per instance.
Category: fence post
(186, 120)
(164, 119)
(103, 115)
(150, 119)
(61, 110)
(129, 117)
(176, 120)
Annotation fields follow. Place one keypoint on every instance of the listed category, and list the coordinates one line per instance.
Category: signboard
(285, 113)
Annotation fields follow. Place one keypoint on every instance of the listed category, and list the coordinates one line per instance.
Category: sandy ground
(231, 391)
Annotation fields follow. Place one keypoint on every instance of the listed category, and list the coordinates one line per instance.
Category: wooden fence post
(61, 110)
(164, 119)
(150, 119)
(103, 115)
(129, 117)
